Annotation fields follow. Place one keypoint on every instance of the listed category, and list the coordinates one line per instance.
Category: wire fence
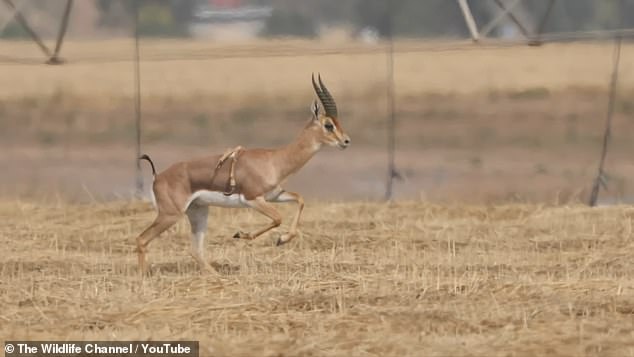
(450, 119)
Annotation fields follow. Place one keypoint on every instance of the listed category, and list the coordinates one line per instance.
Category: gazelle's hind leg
(160, 224)
(198, 216)
(291, 197)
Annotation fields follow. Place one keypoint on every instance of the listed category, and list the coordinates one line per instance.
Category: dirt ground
(364, 279)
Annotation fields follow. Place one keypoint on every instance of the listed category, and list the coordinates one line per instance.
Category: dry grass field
(365, 279)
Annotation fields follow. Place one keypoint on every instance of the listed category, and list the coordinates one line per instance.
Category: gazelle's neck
(295, 155)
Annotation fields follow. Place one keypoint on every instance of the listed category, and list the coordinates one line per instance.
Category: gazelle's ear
(314, 109)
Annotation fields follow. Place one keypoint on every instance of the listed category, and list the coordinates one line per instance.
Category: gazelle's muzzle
(344, 142)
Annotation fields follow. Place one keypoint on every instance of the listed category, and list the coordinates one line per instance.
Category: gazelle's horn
(325, 97)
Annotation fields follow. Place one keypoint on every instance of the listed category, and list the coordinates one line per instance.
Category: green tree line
(411, 18)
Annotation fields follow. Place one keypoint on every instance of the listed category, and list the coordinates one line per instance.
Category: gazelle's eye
(329, 127)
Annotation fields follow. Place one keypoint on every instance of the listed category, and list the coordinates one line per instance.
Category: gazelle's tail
(153, 197)
(146, 157)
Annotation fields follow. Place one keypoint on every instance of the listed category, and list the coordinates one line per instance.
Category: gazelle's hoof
(285, 238)
(242, 235)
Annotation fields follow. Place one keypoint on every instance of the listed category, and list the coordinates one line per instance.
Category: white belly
(215, 198)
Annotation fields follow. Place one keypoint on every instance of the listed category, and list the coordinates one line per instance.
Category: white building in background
(228, 20)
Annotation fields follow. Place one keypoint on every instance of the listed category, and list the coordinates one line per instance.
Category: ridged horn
(325, 97)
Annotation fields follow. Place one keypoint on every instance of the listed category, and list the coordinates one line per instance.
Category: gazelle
(255, 176)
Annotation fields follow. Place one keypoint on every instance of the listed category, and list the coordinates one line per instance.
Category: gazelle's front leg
(259, 204)
(291, 197)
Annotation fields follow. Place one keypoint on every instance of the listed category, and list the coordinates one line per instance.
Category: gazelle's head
(327, 125)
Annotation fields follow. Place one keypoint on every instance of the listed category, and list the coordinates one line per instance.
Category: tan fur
(259, 174)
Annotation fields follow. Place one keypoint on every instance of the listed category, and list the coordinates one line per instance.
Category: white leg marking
(198, 216)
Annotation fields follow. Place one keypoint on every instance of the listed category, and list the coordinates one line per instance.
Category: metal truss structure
(52, 56)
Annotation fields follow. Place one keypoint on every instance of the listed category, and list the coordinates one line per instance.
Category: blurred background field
(474, 123)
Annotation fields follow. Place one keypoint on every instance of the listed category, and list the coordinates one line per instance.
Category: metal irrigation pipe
(391, 130)
(137, 101)
(600, 179)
